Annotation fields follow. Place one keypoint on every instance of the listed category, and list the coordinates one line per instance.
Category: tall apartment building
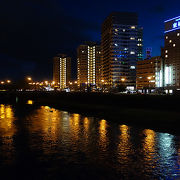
(149, 73)
(61, 70)
(172, 53)
(121, 48)
(89, 64)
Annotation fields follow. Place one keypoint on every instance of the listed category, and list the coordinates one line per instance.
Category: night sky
(33, 31)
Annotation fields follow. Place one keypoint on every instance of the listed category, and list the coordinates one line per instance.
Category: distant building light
(170, 41)
(133, 27)
(166, 37)
(132, 67)
(166, 51)
(132, 52)
(174, 45)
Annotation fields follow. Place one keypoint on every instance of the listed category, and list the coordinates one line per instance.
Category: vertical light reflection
(124, 146)
(7, 131)
(149, 144)
(166, 151)
(74, 125)
(86, 124)
(103, 141)
(149, 150)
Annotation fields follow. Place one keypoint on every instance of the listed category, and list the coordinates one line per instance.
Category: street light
(8, 81)
(122, 79)
(29, 78)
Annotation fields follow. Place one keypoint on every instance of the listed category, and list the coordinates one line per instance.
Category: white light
(132, 67)
(174, 45)
(132, 52)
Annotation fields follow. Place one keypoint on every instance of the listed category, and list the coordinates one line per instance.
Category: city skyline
(29, 43)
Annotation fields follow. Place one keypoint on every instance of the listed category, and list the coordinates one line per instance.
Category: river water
(46, 143)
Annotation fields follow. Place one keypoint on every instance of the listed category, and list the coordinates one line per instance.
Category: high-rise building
(89, 64)
(61, 70)
(172, 53)
(121, 48)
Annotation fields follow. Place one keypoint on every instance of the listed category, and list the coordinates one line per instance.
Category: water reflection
(55, 137)
(7, 132)
(124, 146)
(103, 141)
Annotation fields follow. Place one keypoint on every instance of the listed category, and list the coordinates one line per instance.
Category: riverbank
(159, 112)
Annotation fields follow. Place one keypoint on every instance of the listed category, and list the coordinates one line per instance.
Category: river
(46, 143)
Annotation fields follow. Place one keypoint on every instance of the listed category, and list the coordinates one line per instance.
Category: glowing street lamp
(8, 81)
(2, 82)
(29, 78)
(122, 79)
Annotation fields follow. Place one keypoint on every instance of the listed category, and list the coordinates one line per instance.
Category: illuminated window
(166, 56)
(166, 51)
(178, 34)
(170, 41)
(132, 38)
(166, 37)
(133, 27)
(132, 52)
(132, 67)
(115, 59)
(174, 45)
(139, 39)
(124, 30)
(116, 30)
(116, 44)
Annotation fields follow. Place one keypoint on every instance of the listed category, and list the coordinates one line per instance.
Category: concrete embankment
(145, 110)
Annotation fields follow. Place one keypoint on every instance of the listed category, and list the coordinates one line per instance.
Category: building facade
(149, 73)
(89, 64)
(172, 54)
(61, 71)
(121, 48)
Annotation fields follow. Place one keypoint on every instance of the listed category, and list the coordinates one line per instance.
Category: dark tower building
(121, 48)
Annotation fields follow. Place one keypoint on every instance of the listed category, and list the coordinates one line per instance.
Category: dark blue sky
(33, 31)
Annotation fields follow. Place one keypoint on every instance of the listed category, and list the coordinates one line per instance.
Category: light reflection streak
(103, 141)
(7, 132)
(124, 146)
(74, 126)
